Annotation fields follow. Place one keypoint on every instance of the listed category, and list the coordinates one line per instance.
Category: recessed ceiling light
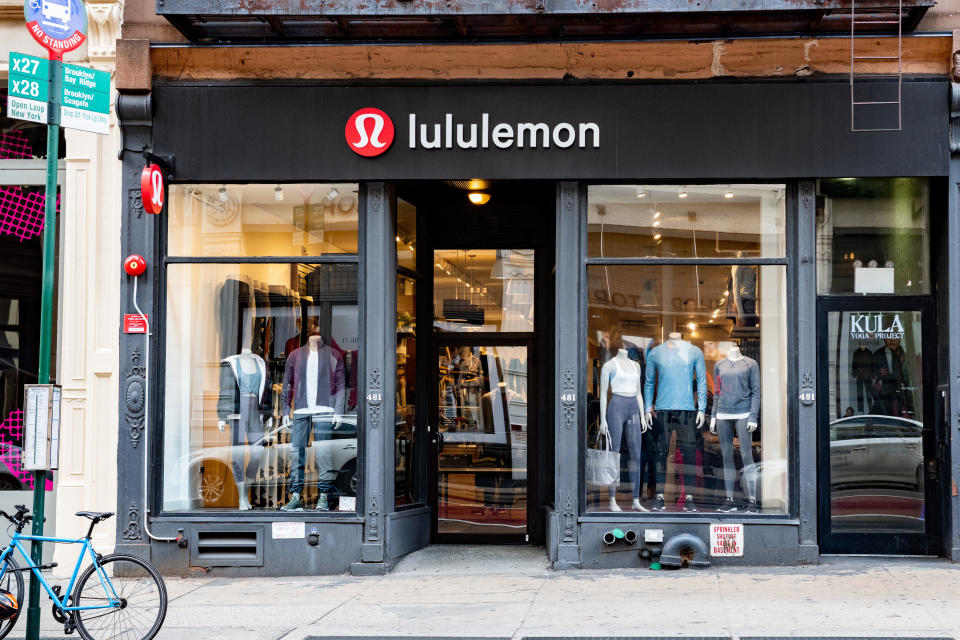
(641, 193)
(478, 197)
(682, 194)
(656, 236)
(656, 215)
(728, 195)
(656, 223)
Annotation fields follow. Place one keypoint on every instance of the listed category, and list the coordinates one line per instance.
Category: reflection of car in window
(876, 451)
(55, 12)
(332, 456)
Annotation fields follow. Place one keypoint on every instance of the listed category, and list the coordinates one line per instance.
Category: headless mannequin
(309, 414)
(676, 340)
(621, 365)
(247, 364)
(726, 445)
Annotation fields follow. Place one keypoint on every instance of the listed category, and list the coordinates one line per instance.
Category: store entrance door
(484, 419)
(878, 428)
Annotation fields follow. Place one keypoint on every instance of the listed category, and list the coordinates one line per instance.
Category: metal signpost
(48, 91)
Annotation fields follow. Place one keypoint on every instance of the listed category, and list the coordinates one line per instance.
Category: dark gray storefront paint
(759, 130)
(953, 313)
(721, 131)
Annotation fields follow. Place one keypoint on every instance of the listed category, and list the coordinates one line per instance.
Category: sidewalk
(510, 593)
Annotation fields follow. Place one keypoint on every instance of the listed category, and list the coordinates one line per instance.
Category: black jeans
(685, 425)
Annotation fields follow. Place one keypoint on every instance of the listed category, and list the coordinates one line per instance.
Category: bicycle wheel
(12, 581)
(142, 594)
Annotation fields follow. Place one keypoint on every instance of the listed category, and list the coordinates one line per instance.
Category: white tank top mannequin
(627, 380)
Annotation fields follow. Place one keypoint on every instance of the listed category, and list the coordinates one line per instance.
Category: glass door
(878, 467)
(481, 429)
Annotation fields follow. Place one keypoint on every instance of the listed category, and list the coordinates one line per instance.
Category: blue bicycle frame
(113, 598)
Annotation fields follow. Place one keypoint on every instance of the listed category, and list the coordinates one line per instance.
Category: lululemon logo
(369, 132)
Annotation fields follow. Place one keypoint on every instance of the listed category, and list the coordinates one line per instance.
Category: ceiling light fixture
(656, 215)
(478, 197)
(222, 194)
(656, 236)
(682, 194)
(278, 194)
(656, 223)
(332, 194)
(728, 195)
(641, 193)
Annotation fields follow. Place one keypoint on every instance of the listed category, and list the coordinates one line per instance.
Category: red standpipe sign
(133, 323)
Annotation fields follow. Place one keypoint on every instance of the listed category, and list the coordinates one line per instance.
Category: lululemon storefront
(597, 318)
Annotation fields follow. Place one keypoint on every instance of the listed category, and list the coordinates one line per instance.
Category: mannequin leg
(662, 448)
(725, 434)
(615, 423)
(632, 428)
(687, 443)
(746, 454)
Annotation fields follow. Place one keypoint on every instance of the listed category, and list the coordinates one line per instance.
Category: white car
(332, 455)
(877, 451)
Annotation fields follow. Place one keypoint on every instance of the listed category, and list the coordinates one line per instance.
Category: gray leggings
(725, 431)
(623, 413)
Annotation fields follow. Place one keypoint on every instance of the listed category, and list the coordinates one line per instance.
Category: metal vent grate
(219, 548)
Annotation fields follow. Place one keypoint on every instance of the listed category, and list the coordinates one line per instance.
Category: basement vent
(227, 548)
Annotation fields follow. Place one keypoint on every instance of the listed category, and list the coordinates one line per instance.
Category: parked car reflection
(876, 473)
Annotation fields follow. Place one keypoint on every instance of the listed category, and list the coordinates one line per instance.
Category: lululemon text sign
(369, 132)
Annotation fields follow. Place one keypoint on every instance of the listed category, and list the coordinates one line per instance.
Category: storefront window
(677, 221)
(262, 219)
(260, 405)
(405, 488)
(873, 236)
(482, 290)
(687, 382)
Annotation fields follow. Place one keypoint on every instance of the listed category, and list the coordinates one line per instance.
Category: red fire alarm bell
(134, 265)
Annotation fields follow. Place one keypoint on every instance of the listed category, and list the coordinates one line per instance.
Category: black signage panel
(759, 130)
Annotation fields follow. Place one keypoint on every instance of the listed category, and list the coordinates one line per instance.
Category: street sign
(58, 25)
(28, 87)
(85, 99)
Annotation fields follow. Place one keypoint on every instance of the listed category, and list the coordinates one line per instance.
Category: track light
(222, 194)
(332, 194)
(641, 193)
(682, 194)
(728, 195)
(278, 194)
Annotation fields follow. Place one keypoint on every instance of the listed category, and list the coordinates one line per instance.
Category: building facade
(85, 350)
(682, 298)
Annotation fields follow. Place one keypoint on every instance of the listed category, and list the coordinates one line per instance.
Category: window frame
(791, 218)
(159, 347)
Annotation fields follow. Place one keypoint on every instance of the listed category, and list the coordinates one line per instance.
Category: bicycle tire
(131, 578)
(12, 577)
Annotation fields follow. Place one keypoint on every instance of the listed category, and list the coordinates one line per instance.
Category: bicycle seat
(96, 516)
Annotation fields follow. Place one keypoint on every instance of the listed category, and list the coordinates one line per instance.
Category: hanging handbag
(603, 464)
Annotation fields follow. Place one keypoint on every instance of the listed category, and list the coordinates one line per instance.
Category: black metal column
(377, 364)
(568, 375)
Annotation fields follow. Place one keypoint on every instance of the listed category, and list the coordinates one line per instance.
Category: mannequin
(243, 406)
(862, 372)
(313, 384)
(469, 383)
(736, 407)
(671, 367)
(622, 415)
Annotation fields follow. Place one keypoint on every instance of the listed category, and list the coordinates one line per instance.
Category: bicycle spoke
(140, 591)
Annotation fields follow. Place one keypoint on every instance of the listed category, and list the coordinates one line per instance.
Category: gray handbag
(603, 464)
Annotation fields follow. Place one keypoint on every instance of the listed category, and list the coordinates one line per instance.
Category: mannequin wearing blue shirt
(671, 370)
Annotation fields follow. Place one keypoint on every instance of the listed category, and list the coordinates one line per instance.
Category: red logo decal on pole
(58, 25)
(369, 132)
(151, 188)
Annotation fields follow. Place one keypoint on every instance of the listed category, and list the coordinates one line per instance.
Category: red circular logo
(369, 132)
(151, 188)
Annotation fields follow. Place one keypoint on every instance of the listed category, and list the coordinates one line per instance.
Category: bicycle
(125, 594)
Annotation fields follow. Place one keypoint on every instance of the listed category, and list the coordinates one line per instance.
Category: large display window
(686, 358)
(261, 359)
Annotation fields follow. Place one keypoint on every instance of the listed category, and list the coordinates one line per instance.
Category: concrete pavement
(454, 591)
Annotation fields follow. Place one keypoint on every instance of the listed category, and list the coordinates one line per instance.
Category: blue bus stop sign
(58, 25)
